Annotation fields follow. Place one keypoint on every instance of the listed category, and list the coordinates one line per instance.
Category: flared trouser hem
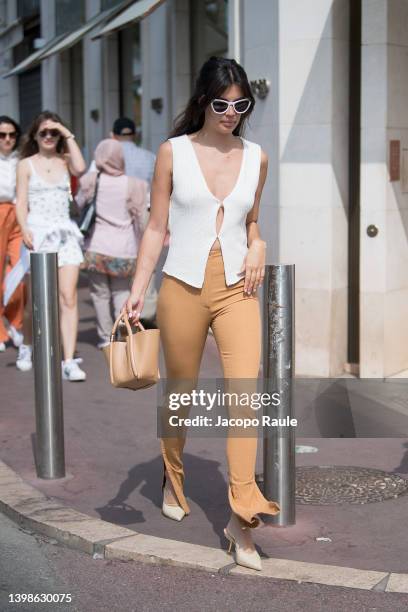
(176, 475)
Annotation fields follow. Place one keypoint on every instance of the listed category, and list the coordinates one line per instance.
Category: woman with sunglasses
(208, 182)
(49, 154)
(10, 233)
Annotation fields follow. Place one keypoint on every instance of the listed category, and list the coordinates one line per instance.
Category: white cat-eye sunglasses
(220, 107)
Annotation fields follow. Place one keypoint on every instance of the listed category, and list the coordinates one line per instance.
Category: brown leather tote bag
(133, 357)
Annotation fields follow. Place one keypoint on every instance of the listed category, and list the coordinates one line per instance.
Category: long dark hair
(10, 121)
(216, 75)
(29, 145)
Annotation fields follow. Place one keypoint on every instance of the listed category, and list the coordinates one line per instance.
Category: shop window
(137, 82)
(107, 4)
(209, 31)
(69, 15)
(29, 96)
(216, 12)
(27, 47)
(28, 8)
(130, 64)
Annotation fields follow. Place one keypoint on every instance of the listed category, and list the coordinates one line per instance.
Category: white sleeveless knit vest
(193, 213)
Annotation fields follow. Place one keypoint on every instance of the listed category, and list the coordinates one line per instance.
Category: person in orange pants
(10, 233)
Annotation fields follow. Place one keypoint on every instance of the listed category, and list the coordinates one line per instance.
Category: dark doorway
(29, 82)
(353, 351)
(29, 95)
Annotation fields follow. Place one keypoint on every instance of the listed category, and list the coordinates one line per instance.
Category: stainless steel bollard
(279, 475)
(50, 455)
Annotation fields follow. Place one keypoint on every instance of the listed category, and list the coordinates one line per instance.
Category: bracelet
(70, 136)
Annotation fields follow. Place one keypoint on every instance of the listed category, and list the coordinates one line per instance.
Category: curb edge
(33, 510)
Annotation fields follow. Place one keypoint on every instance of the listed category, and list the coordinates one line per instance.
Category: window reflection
(209, 31)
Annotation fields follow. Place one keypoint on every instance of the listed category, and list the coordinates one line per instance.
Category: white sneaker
(2, 347)
(71, 370)
(24, 361)
(16, 336)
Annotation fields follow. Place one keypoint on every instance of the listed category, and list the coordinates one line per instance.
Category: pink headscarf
(109, 160)
(109, 157)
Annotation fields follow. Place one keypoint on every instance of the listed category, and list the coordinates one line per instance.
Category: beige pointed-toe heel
(246, 558)
(172, 511)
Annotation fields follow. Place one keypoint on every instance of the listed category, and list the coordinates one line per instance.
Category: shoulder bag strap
(95, 195)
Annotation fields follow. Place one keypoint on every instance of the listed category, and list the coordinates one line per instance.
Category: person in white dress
(48, 156)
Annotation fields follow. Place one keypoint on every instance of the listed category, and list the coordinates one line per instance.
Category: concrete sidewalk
(114, 470)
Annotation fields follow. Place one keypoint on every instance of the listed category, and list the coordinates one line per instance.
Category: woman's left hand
(254, 266)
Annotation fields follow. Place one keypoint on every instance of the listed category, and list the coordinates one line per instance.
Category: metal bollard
(279, 475)
(50, 455)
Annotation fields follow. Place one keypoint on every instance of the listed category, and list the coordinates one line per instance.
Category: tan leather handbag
(133, 357)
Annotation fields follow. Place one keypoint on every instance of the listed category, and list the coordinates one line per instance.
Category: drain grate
(330, 485)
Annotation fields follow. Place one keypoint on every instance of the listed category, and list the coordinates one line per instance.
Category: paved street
(114, 472)
(33, 564)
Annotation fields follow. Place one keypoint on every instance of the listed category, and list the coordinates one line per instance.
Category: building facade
(331, 89)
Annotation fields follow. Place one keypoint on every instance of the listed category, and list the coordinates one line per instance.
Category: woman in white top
(207, 183)
(10, 233)
(49, 154)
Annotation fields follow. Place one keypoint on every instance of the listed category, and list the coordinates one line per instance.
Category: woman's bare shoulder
(165, 155)
(165, 149)
(26, 160)
(23, 165)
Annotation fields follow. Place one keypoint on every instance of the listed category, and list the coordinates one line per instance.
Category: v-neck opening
(204, 180)
(38, 175)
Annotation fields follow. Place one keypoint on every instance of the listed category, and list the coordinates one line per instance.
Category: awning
(65, 41)
(11, 36)
(33, 59)
(137, 11)
(77, 35)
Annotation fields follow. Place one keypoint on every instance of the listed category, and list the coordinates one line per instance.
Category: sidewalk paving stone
(114, 471)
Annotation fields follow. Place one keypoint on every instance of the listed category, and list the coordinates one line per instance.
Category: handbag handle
(125, 319)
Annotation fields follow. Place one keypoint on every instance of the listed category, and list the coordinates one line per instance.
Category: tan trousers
(184, 315)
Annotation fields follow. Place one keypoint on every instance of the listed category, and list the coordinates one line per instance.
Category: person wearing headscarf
(112, 246)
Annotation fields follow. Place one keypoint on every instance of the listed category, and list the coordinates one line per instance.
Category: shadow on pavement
(201, 474)
(88, 336)
(402, 468)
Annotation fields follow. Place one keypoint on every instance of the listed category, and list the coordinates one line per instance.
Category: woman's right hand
(133, 307)
(28, 238)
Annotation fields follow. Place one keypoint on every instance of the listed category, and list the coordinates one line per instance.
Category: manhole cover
(329, 485)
